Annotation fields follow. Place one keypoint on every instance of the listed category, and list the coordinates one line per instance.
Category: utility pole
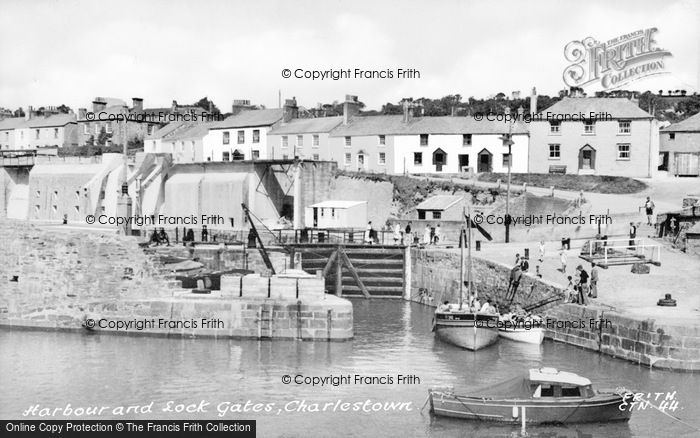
(508, 141)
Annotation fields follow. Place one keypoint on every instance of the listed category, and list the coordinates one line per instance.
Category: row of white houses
(570, 137)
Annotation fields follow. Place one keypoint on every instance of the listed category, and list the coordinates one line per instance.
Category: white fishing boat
(457, 324)
(528, 330)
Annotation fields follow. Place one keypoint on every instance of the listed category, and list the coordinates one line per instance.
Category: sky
(55, 52)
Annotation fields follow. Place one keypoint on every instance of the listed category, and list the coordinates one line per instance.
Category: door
(586, 158)
(663, 161)
(484, 161)
(687, 164)
(360, 161)
(439, 159)
(463, 162)
(315, 217)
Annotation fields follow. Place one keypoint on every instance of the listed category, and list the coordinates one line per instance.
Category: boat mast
(469, 249)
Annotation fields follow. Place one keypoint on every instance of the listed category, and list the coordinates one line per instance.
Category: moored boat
(528, 330)
(543, 395)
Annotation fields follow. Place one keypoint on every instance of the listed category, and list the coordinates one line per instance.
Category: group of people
(430, 236)
(578, 290)
(159, 238)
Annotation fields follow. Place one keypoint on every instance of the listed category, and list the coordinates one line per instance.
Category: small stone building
(442, 207)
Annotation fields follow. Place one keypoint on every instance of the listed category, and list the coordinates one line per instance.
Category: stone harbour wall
(55, 278)
(435, 278)
(644, 341)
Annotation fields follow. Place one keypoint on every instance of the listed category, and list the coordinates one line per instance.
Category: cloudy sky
(69, 51)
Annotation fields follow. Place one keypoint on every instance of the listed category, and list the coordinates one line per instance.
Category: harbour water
(392, 338)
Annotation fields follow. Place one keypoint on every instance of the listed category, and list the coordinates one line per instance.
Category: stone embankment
(435, 278)
(57, 280)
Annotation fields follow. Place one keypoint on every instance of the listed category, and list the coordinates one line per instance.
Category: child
(541, 248)
(569, 291)
(562, 258)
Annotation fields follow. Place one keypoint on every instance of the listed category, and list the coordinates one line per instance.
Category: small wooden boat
(466, 329)
(544, 395)
(457, 324)
(529, 331)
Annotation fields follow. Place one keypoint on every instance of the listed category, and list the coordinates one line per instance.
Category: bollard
(498, 183)
(551, 191)
(524, 187)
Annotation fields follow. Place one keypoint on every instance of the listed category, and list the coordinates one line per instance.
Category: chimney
(506, 110)
(98, 105)
(82, 113)
(29, 113)
(521, 110)
(211, 107)
(173, 107)
(239, 105)
(137, 104)
(407, 111)
(533, 101)
(351, 107)
(291, 111)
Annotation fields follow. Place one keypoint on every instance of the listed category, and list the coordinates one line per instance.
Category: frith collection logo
(616, 62)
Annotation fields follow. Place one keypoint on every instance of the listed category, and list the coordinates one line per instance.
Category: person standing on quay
(368, 233)
(541, 249)
(437, 234)
(649, 208)
(407, 234)
(562, 259)
(582, 285)
(594, 281)
(633, 234)
(427, 235)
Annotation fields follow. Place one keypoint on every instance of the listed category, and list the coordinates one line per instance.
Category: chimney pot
(137, 104)
(351, 107)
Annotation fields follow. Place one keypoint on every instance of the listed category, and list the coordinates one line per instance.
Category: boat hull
(471, 331)
(531, 336)
(601, 408)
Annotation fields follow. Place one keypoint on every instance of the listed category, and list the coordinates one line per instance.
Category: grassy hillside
(587, 183)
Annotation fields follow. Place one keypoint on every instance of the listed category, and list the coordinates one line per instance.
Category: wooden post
(329, 264)
(338, 274)
(354, 273)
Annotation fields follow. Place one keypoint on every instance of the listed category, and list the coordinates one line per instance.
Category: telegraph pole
(507, 141)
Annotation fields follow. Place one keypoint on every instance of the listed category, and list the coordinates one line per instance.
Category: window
(466, 139)
(226, 137)
(256, 155)
(506, 160)
(241, 137)
(382, 158)
(424, 139)
(437, 215)
(37, 134)
(588, 127)
(300, 140)
(285, 157)
(421, 214)
(554, 126)
(86, 129)
(285, 141)
(314, 141)
(151, 129)
(570, 392)
(55, 132)
(348, 158)
(316, 158)
(418, 158)
(625, 126)
(348, 141)
(332, 212)
(108, 127)
(382, 140)
(554, 151)
(256, 136)
(547, 391)
(623, 151)
(225, 156)
(671, 135)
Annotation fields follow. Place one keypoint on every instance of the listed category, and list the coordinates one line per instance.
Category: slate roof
(11, 123)
(439, 202)
(395, 125)
(618, 108)
(308, 126)
(50, 121)
(251, 118)
(191, 131)
(691, 124)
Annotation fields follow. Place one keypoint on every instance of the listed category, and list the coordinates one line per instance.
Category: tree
(204, 104)
(103, 137)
